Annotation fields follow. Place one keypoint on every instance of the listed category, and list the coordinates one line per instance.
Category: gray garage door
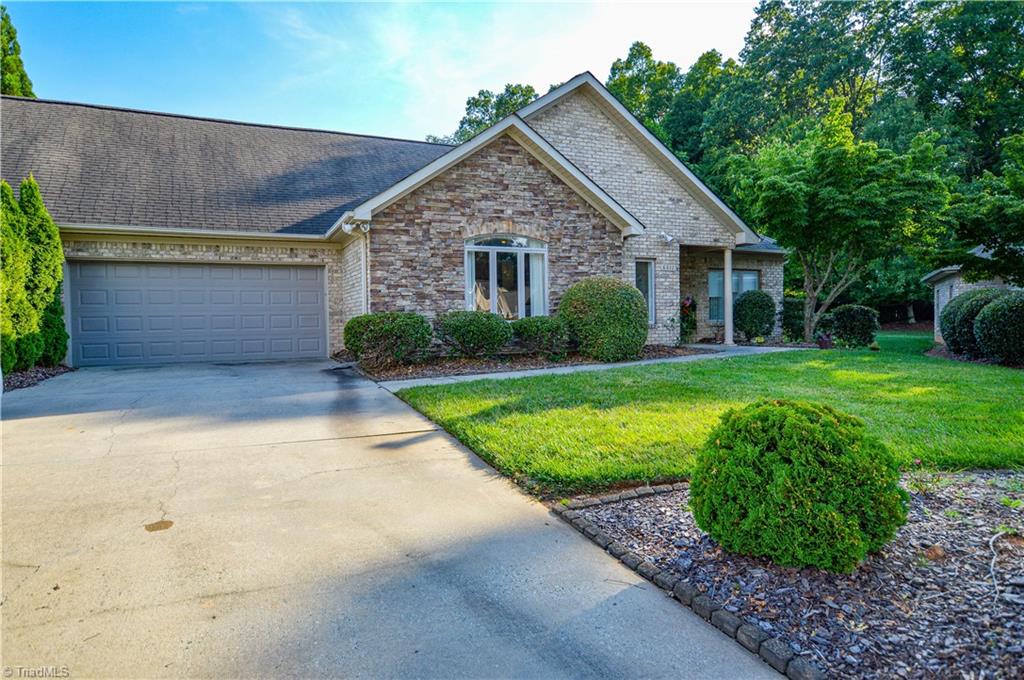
(146, 313)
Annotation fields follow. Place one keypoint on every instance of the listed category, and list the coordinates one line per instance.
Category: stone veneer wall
(578, 128)
(416, 246)
(171, 250)
(697, 263)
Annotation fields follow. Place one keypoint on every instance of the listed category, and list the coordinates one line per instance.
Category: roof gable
(530, 140)
(586, 82)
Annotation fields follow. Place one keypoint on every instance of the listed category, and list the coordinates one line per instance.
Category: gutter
(123, 230)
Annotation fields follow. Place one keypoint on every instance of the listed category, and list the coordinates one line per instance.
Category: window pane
(508, 284)
(643, 278)
(749, 281)
(481, 278)
(533, 271)
(716, 282)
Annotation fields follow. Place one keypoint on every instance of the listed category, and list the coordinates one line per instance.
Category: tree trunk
(910, 313)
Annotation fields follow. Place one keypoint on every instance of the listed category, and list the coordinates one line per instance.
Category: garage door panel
(137, 313)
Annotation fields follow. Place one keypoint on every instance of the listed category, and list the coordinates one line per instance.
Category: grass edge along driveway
(591, 430)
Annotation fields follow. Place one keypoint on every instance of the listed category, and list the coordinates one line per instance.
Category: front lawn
(585, 431)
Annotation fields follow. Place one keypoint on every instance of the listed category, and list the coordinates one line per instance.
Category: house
(948, 282)
(190, 239)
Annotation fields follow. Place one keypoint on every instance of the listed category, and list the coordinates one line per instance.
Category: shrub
(964, 316)
(53, 333)
(542, 335)
(687, 320)
(17, 316)
(355, 332)
(951, 314)
(473, 334)
(854, 325)
(799, 483)
(606, 317)
(28, 349)
(388, 338)
(43, 238)
(999, 329)
(754, 314)
(791, 317)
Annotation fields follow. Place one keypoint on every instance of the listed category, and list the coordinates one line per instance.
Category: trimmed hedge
(964, 316)
(52, 331)
(754, 314)
(799, 483)
(473, 334)
(545, 335)
(999, 329)
(950, 315)
(383, 339)
(854, 325)
(606, 317)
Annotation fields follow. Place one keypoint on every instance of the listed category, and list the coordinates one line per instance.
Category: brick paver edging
(774, 651)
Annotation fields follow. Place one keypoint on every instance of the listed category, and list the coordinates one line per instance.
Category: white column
(727, 295)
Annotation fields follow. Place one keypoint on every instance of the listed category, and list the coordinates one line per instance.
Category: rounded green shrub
(389, 338)
(606, 317)
(950, 315)
(545, 335)
(473, 334)
(854, 325)
(963, 320)
(999, 329)
(754, 314)
(799, 483)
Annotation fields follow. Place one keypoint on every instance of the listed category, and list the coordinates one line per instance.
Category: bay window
(742, 281)
(506, 275)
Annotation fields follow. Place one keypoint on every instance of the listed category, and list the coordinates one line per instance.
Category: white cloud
(417, 64)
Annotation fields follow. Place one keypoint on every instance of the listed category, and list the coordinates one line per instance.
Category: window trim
(735, 291)
(652, 307)
(492, 260)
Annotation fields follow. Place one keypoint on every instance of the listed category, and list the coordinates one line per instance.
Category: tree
(45, 250)
(701, 84)
(15, 80)
(18, 319)
(838, 204)
(645, 86)
(989, 214)
(486, 109)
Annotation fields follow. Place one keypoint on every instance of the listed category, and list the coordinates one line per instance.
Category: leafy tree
(892, 281)
(701, 84)
(990, 214)
(645, 86)
(838, 203)
(15, 81)
(486, 109)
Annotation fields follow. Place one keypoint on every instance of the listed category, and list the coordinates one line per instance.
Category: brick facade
(951, 286)
(416, 246)
(602, 149)
(168, 249)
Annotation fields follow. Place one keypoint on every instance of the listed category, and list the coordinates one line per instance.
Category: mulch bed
(944, 599)
(446, 366)
(33, 376)
(942, 352)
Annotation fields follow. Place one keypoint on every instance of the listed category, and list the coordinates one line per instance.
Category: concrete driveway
(295, 519)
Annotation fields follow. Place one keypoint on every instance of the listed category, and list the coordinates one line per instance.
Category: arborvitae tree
(53, 332)
(15, 80)
(18, 319)
(44, 243)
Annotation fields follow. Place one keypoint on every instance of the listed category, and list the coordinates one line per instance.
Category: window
(742, 281)
(645, 283)
(506, 275)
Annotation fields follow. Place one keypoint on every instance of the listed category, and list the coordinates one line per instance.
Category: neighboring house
(190, 239)
(947, 283)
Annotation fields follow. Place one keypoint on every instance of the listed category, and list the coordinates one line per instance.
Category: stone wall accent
(694, 282)
(416, 246)
(602, 149)
(168, 249)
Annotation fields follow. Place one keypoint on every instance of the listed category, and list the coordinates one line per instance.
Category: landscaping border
(774, 651)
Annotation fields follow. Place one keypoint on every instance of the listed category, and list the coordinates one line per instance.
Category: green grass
(585, 431)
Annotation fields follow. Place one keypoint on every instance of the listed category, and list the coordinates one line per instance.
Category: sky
(398, 70)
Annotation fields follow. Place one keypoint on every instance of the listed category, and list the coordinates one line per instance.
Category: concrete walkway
(717, 352)
(296, 520)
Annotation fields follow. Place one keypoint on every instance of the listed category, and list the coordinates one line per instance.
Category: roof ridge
(223, 121)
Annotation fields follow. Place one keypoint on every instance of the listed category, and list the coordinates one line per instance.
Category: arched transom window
(507, 275)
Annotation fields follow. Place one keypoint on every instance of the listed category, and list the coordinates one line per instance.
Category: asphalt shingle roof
(102, 165)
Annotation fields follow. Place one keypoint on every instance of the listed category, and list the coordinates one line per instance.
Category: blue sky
(400, 70)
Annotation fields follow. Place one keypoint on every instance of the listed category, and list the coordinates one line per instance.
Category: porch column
(727, 294)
